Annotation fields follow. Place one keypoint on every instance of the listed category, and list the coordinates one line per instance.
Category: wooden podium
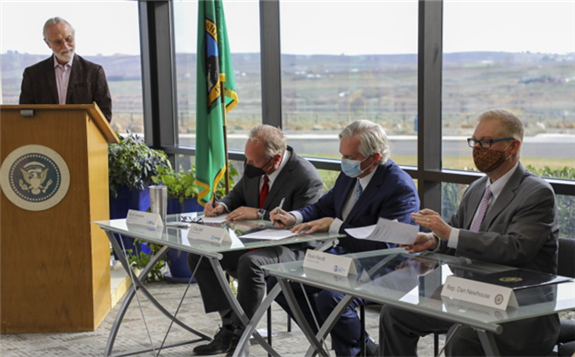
(54, 263)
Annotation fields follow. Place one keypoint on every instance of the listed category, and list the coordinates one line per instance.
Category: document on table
(386, 231)
(271, 234)
(218, 219)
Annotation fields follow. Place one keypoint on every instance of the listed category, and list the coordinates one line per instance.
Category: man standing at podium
(65, 77)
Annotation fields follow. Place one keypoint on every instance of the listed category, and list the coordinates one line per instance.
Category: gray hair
(511, 124)
(272, 137)
(372, 138)
(54, 21)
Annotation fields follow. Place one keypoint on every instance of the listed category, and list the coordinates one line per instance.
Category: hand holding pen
(281, 205)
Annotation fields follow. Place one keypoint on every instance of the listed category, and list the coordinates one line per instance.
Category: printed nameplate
(494, 296)
(329, 263)
(151, 220)
(209, 233)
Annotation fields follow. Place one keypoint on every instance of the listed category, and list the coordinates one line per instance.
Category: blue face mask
(352, 168)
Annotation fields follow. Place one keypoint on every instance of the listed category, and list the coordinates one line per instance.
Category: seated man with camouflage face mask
(273, 172)
(509, 217)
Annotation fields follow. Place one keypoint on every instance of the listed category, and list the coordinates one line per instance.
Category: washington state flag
(214, 65)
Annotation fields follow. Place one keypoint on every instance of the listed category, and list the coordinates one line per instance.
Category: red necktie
(264, 191)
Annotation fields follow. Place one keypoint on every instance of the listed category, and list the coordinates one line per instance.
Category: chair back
(566, 260)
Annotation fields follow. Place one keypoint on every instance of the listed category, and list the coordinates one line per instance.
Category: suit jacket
(87, 85)
(390, 194)
(298, 182)
(520, 229)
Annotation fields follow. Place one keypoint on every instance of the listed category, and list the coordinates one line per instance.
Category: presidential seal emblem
(34, 177)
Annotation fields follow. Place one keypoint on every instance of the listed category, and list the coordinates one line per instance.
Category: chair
(566, 267)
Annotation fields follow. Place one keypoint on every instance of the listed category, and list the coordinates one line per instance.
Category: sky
(308, 26)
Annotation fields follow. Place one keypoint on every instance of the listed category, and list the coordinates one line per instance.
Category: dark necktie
(358, 190)
(481, 211)
(264, 191)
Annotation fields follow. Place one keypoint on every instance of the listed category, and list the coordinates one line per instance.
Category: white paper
(271, 234)
(218, 219)
(386, 231)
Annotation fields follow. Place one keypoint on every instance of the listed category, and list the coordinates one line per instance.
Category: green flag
(214, 60)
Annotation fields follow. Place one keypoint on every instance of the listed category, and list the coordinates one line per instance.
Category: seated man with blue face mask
(370, 186)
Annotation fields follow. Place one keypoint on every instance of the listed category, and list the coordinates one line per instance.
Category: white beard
(65, 55)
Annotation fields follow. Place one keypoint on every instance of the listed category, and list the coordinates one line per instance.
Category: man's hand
(430, 219)
(424, 241)
(320, 225)
(211, 211)
(282, 219)
(243, 213)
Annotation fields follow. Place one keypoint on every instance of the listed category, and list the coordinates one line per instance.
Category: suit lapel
(51, 74)
(74, 75)
(282, 177)
(505, 197)
(368, 193)
(474, 199)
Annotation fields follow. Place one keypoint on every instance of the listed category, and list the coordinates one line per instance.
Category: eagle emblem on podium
(34, 177)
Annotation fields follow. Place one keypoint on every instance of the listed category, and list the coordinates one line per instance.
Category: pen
(281, 205)
(423, 213)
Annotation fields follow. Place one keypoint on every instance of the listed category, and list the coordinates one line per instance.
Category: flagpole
(223, 95)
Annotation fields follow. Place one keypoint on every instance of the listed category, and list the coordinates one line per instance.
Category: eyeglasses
(69, 40)
(485, 143)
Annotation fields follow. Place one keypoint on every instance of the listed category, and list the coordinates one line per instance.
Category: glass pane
(120, 57)
(516, 55)
(451, 194)
(184, 163)
(242, 21)
(344, 61)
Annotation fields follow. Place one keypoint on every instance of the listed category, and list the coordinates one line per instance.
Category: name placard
(329, 263)
(146, 219)
(216, 235)
(494, 296)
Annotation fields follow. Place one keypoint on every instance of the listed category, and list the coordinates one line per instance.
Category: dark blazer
(519, 230)
(390, 194)
(299, 182)
(87, 85)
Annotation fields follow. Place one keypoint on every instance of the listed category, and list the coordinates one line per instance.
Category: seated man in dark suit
(507, 217)
(273, 172)
(65, 77)
(370, 186)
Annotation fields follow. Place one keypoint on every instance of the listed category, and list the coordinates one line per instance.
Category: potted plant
(182, 197)
(131, 166)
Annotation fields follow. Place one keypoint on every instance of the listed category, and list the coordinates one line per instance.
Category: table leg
(234, 304)
(330, 322)
(252, 325)
(488, 342)
(138, 285)
(300, 319)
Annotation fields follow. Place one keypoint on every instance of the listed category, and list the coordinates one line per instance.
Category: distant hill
(128, 67)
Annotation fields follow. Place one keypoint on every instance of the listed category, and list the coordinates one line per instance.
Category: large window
(514, 55)
(242, 20)
(116, 49)
(344, 61)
